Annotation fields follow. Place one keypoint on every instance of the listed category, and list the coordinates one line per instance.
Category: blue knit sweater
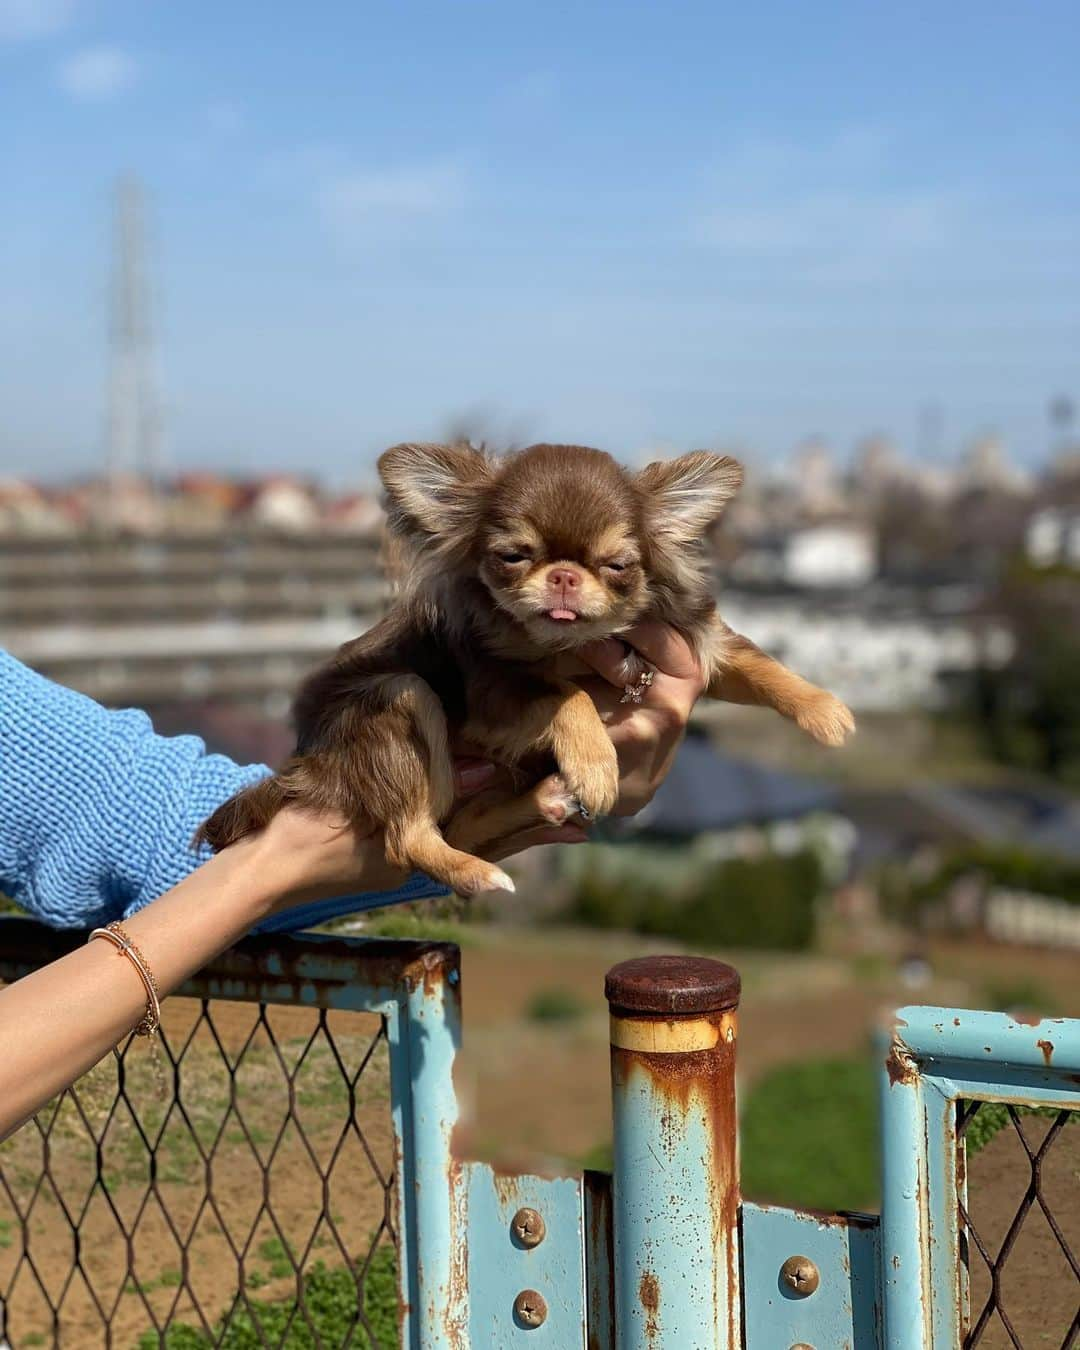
(97, 811)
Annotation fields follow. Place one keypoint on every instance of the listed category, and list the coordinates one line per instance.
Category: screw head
(528, 1228)
(800, 1275)
(530, 1309)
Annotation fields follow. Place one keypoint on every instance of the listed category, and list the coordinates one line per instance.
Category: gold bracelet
(151, 1019)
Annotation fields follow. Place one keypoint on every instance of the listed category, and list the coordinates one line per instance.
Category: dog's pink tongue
(562, 614)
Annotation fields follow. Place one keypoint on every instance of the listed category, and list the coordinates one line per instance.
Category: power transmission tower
(134, 431)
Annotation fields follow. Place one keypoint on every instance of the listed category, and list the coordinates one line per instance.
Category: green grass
(330, 1301)
(417, 928)
(809, 1136)
(555, 1005)
(274, 1251)
(1025, 995)
(992, 1117)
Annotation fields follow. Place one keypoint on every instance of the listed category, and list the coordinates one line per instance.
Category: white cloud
(828, 223)
(25, 19)
(98, 73)
(356, 198)
(828, 210)
(426, 189)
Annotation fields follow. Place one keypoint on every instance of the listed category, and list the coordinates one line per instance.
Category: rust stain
(457, 1294)
(1047, 1048)
(956, 1021)
(900, 1064)
(649, 1294)
(507, 1188)
(841, 1218)
(700, 1081)
(600, 1261)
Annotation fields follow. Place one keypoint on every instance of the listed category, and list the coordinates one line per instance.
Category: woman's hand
(646, 734)
(315, 857)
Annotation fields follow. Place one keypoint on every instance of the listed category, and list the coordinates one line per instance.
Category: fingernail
(472, 777)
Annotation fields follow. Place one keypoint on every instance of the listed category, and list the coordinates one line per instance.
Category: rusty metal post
(676, 1183)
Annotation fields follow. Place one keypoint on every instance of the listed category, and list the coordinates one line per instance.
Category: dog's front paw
(826, 719)
(594, 781)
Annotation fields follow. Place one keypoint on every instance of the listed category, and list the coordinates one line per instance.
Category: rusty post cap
(675, 986)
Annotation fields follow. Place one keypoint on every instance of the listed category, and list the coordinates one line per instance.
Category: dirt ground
(534, 1094)
(1040, 1294)
(265, 1173)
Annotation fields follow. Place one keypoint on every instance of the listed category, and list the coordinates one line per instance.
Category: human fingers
(539, 834)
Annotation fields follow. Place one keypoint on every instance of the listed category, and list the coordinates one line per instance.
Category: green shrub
(809, 1135)
(992, 1117)
(1024, 995)
(762, 902)
(331, 1305)
(767, 902)
(1013, 868)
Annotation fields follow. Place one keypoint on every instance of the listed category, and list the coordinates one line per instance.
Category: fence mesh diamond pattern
(250, 1204)
(1019, 1207)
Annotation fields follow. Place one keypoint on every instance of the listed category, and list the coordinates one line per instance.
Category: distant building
(876, 658)
(354, 513)
(282, 502)
(25, 509)
(841, 553)
(814, 479)
(1053, 537)
(986, 467)
(876, 470)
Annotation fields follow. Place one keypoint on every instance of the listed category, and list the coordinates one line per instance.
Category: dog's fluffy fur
(510, 565)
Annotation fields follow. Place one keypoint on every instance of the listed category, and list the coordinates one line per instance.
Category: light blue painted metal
(993, 1040)
(424, 1031)
(936, 1058)
(843, 1313)
(905, 1220)
(675, 1193)
(500, 1267)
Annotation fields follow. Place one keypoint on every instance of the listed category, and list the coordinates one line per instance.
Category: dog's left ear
(433, 489)
(683, 496)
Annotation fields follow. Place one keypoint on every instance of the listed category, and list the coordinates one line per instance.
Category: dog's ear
(433, 489)
(683, 496)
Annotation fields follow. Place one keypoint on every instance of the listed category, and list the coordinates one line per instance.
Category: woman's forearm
(59, 1021)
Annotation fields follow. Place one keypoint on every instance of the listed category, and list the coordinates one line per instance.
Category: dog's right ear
(433, 489)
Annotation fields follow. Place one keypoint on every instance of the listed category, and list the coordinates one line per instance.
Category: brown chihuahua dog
(511, 565)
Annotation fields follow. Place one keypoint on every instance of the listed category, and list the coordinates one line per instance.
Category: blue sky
(636, 226)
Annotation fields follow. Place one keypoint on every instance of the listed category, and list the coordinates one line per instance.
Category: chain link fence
(243, 1197)
(1019, 1207)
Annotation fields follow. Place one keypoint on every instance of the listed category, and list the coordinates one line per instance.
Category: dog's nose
(564, 578)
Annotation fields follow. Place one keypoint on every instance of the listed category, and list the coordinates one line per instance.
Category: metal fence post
(424, 1035)
(676, 1184)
